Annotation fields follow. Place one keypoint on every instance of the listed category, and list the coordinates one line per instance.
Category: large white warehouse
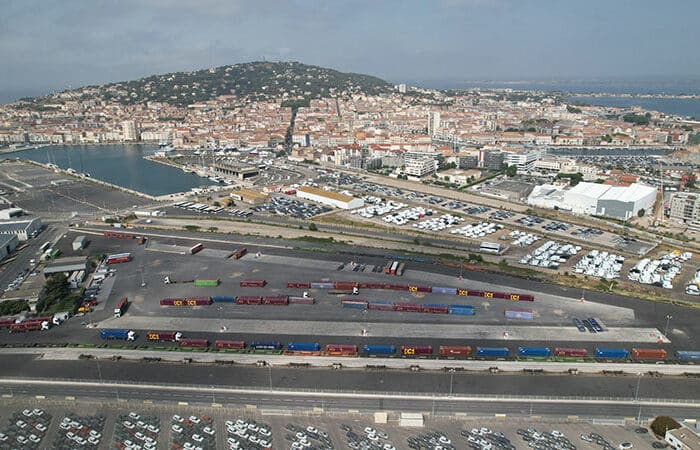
(334, 199)
(619, 202)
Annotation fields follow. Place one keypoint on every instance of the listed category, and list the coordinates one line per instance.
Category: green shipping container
(206, 283)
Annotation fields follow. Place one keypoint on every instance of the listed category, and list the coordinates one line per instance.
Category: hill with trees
(255, 81)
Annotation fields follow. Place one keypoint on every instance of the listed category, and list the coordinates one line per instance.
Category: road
(287, 400)
(30, 250)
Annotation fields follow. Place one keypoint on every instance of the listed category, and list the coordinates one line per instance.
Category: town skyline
(439, 45)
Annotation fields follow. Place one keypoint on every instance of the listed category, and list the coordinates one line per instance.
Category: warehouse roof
(632, 193)
(66, 265)
(593, 190)
(328, 194)
(15, 225)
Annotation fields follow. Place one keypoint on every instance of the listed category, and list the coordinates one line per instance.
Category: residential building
(685, 206)
(522, 159)
(420, 164)
(492, 159)
(433, 123)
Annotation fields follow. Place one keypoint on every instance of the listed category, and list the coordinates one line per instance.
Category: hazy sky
(46, 45)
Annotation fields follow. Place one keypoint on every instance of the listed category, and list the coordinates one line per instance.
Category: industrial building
(66, 265)
(334, 199)
(23, 229)
(8, 243)
(10, 213)
(249, 196)
(237, 170)
(618, 202)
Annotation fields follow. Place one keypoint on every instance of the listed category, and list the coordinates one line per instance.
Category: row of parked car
(80, 432)
(133, 430)
(590, 324)
(26, 429)
(248, 434)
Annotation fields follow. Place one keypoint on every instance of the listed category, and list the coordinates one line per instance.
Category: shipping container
(113, 234)
(612, 353)
(235, 345)
(121, 307)
(197, 248)
(520, 314)
(207, 283)
(321, 285)
(298, 285)
(492, 352)
(341, 350)
(407, 307)
(248, 300)
(444, 290)
(223, 299)
(7, 323)
(455, 350)
(648, 353)
(239, 253)
(358, 304)
(462, 310)
(542, 352)
(435, 309)
(276, 300)
(265, 345)
(688, 355)
(379, 349)
(118, 334)
(394, 266)
(416, 350)
(380, 306)
(194, 343)
(252, 283)
(301, 300)
(303, 347)
(345, 285)
(571, 352)
(190, 301)
(171, 336)
(400, 270)
(387, 268)
(79, 243)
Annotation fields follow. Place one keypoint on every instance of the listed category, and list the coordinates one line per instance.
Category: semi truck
(238, 254)
(119, 258)
(121, 307)
(167, 336)
(29, 326)
(197, 248)
(126, 335)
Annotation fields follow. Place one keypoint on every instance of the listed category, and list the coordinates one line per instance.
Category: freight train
(347, 285)
(418, 351)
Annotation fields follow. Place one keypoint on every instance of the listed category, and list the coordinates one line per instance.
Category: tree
(313, 227)
(641, 212)
(662, 424)
(54, 291)
(511, 170)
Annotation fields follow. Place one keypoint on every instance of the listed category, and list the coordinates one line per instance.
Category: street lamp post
(452, 372)
(269, 372)
(668, 320)
(636, 397)
(99, 371)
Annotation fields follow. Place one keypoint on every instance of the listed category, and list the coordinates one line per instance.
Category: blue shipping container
(379, 349)
(223, 299)
(463, 310)
(320, 285)
(444, 290)
(534, 351)
(303, 347)
(519, 314)
(492, 351)
(114, 334)
(688, 355)
(611, 353)
(269, 345)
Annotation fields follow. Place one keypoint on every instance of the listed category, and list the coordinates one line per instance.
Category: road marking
(6, 395)
(182, 403)
(217, 405)
(251, 407)
(70, 397)
(40, 397)
(353, 411)
(500, 416)
(148, 401)
(572, 417)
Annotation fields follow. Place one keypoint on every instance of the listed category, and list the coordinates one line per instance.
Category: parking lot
(130, 423)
